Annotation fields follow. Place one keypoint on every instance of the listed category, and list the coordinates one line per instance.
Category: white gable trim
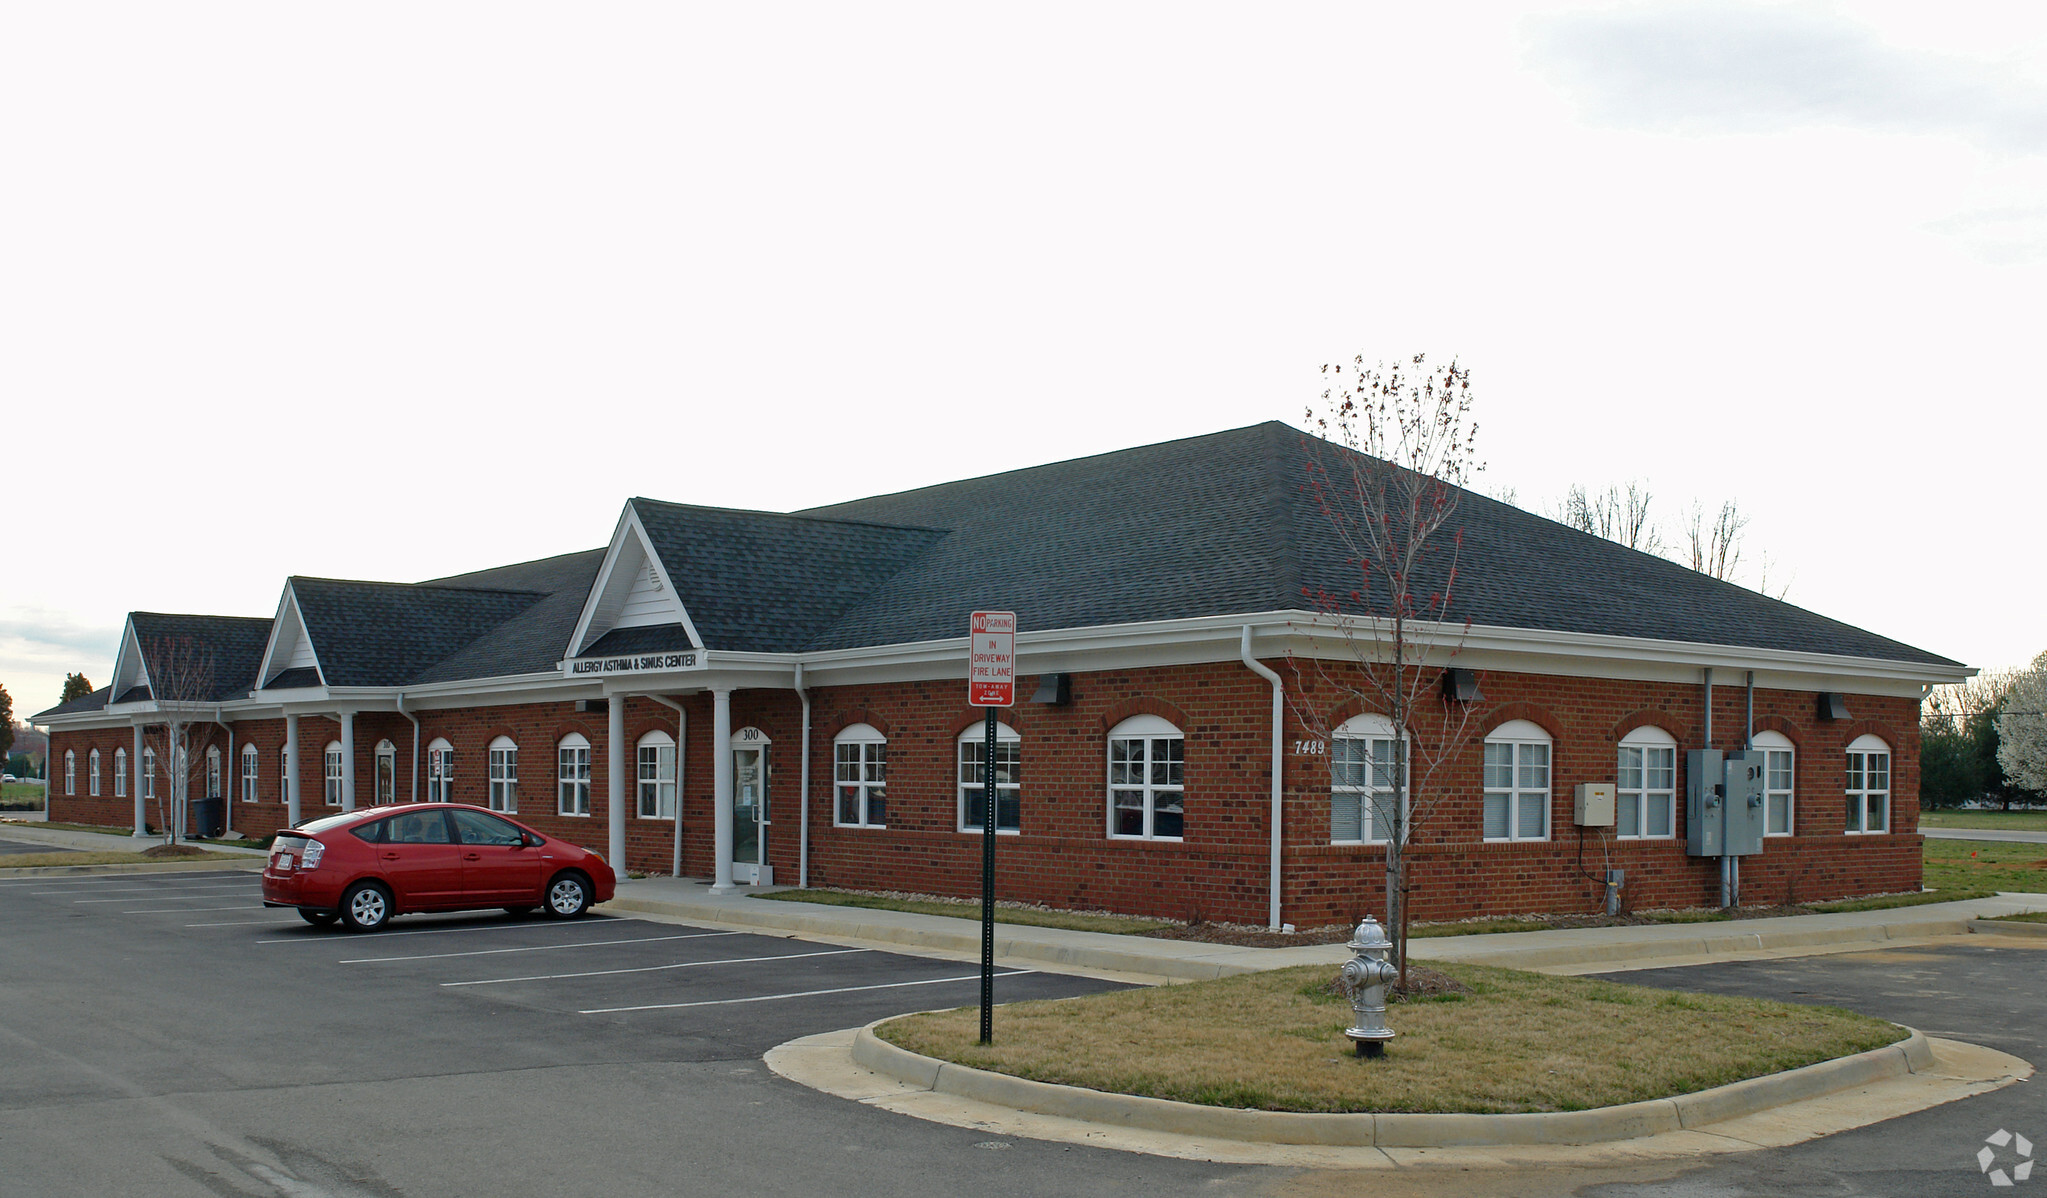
(290, 646)
(632, 590)
(129, 668)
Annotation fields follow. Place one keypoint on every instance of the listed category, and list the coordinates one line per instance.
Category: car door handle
(390, 856)
(472, 856)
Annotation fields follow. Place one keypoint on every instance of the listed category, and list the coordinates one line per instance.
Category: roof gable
(290, 649)
(632, 590)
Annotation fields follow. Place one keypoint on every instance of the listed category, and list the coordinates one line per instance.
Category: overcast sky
(399, 290)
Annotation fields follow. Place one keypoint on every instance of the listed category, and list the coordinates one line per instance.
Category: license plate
(283, 862)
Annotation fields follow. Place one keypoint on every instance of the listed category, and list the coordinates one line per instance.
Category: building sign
(639, 663)
(991, 660)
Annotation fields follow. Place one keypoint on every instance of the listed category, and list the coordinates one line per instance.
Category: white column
(721, 784)
(291, 769)
(347, 761)
(135, 784)
(615, 782)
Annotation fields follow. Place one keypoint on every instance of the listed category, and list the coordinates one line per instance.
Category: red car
(363, 867)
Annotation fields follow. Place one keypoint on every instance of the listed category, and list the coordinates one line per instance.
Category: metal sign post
(991, 683)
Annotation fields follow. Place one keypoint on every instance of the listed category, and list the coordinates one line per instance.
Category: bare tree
(1616, 514)
(1716, 547)
(181, 681)
(1391, 502)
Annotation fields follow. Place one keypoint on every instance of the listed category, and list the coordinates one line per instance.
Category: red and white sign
(991, 660)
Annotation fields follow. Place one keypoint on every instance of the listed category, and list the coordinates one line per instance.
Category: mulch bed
(175, 850)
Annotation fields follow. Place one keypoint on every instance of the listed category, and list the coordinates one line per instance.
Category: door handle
(472, 856)
(390, 856)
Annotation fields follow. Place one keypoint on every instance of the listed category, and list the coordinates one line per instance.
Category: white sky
(399, 290)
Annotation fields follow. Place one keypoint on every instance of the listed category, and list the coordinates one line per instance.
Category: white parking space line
(184, 910)
(180, 894)
(243, 923)
(316, 938)
(127, 889)
(100, 881)
(534, 948)
(598, 973)
(725, 1002)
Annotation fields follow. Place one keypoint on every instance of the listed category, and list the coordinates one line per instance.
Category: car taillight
(309, 857)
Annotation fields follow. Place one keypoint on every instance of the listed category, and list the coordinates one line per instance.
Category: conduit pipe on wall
(681, 736)
(415, 746)
(803, 791)
(1278, 730)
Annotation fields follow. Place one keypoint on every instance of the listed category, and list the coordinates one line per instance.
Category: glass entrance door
(750, 812)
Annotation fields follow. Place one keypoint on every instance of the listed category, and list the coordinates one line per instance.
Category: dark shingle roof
(285, 680)
(534, 640)
(387, 633)
(655, 638)
(96, 701)
(1224, 523)
(224, 653)
(767, 582)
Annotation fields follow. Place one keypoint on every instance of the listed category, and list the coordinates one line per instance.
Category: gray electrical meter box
(1725, 804)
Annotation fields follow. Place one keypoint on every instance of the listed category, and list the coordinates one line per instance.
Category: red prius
(363, 867)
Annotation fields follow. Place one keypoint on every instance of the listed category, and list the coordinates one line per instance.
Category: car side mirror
(530, 842)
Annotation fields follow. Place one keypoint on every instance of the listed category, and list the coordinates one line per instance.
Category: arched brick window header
(1534, 714)
(859, 715)
(1877, 728)
(1352, 707)
(1143, 705)
(1644, 718)
(1782, 727)
(1010, 717)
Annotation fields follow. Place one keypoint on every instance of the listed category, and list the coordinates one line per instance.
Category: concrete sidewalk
(97, 842)
(1997, 835)
(1574, 950)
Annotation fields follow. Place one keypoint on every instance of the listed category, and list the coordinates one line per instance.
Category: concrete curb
(149, 867)
(1368, 1130)
(2007, 927)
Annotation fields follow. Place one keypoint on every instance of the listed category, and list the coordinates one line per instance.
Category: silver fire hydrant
(1365, 978)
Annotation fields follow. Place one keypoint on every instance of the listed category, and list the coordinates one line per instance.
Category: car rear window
(371, 832)
(327, 821)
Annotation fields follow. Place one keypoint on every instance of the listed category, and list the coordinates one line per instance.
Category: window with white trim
(572, 773)
(973, 792)
(440, 772)
(92, 773)
(1645, 786)
(120, 773)
(1147, 794)
(386, 786)
(656, 776)
(1361, 772)
(250, 770)
(504, 776)
(333, 773)
(148, 771)
(1517, 758)
(213, 779)
(1869, 786)
(70, 772)
(1778, 759)
(284, 773)
(860, 777)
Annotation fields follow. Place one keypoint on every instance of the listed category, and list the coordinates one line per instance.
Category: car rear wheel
(365, 907)
(568, 896)
(318, 919)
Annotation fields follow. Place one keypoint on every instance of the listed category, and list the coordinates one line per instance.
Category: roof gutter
(1278, 730)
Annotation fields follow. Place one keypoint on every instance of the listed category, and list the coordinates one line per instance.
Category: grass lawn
(2014, 821)
(19, 796)
(128, 832)
(966, 909)
(1985, 865)
(1515, 1042)
(30, 860)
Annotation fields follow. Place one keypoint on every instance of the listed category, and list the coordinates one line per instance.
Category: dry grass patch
(1016, 913)
(1513, 1042)
(32, 860)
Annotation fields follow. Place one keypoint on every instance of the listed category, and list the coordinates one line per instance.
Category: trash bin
(209, 816)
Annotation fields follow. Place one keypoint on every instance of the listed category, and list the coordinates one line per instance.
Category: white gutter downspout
(415, 747)
(231, 774)
(803, 806)
(1278, 731)
(681, 735)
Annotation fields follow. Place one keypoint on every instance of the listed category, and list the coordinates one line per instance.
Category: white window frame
(92, 773)
(572, 776)
(384, 774)
(860, 777)
(973, 788)
(1147, 761)
(440, 771)
(503, 769)
(213, 774)
(1868, 759)
(331, 776)
(654, 776)
(1645, 783)
(1780, 765)
(70, 772)
(1518, 740)
(149, 771)
(120, 773)
(1361, 785)
(252, 772)
(284, 773)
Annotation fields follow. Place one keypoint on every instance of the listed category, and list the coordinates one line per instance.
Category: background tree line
(1985, 740)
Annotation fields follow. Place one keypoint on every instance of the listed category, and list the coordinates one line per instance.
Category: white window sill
(1149, 839)
(1530, 839)
(862, 827)
(976, 831)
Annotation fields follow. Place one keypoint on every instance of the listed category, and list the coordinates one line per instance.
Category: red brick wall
(1064, 855)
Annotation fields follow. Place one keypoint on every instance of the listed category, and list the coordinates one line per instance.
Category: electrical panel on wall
(1593, 805)
(1725, 807)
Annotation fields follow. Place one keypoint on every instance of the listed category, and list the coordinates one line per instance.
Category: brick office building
(794, 685)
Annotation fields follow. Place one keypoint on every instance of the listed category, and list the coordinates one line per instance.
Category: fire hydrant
(1365, 978)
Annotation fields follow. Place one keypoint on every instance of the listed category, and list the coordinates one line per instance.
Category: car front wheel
(365, 907)
(568, 896)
